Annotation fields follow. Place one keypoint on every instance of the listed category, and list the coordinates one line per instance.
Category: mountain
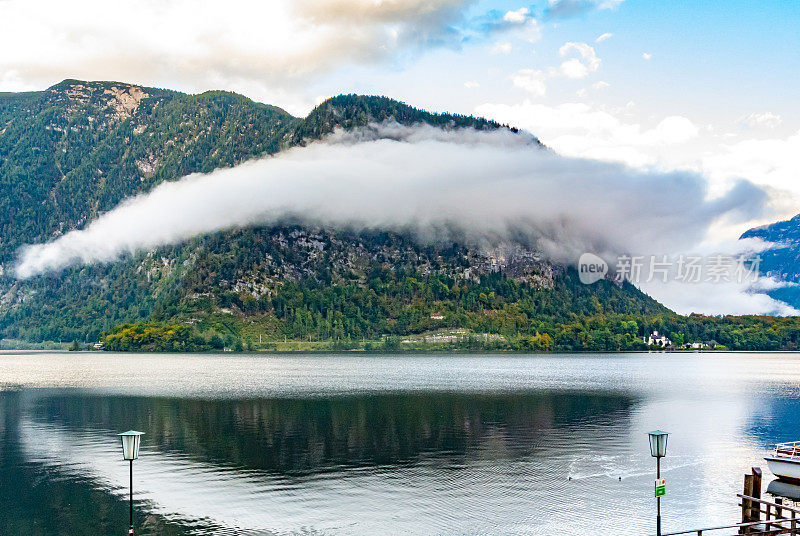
(782, 260)
(78, 148)
(75, 150)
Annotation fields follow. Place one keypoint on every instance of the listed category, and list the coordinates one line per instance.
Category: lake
(366, 445)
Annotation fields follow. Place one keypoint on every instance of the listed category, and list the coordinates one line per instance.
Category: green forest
(596, 333)
(526, 320)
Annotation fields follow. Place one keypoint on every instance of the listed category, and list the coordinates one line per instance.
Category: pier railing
(788, 450)
(752, 527)
(759, 516)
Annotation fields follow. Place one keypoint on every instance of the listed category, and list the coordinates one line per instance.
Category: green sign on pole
(661, 487)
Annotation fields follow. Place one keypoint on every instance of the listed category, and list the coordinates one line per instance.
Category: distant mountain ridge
(782, 260)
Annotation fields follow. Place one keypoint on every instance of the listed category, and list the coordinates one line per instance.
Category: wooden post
(767, 517)
(794, 525)
(779, 510)
(755, 508)
(756, 486)
(746, 503)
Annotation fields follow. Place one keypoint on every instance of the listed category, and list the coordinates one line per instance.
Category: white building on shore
(657, 340)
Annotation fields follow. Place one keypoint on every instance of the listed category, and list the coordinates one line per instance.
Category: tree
(391, 343)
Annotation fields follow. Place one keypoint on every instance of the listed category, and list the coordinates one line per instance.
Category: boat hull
(784, 468)
(785, 489)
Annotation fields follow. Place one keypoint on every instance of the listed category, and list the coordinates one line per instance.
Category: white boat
(784, 462)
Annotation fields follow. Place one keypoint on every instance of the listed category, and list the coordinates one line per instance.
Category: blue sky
(709, 59)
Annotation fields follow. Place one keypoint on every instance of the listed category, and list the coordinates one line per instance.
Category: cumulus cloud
(530, 80)
(647, 56)
(521, 24)
(518, 16)
(600, 85)
(581, 130)
(671, 130)
(761, 120)
(264, 49)
(574, 69)
(579, 67)
(771, 161)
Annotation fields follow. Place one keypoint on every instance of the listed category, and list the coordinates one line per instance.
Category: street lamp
(130, 451)
(658, 449)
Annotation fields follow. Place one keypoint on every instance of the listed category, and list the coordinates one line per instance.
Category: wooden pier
(760, 517)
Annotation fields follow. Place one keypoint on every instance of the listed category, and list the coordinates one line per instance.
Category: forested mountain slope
(77, 149)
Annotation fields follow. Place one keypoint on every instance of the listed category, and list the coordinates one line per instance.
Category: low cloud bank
(483, 187)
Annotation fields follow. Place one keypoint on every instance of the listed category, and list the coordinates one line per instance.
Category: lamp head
(130, 444)
(658, 443)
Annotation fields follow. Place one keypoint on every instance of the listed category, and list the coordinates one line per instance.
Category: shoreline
(410, 352)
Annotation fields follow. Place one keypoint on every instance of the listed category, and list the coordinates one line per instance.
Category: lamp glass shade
(130, 444)
(658, 443)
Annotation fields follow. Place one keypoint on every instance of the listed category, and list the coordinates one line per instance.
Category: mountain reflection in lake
(415, 456)
(307, 436)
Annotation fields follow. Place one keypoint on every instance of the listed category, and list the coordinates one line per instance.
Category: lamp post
(658, 449)
(130, 451)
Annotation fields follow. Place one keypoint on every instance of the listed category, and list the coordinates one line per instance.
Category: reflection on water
(284, 464)
(39, 499)
(787, 490)
(296, 437)
(777, 422)
(528, 445)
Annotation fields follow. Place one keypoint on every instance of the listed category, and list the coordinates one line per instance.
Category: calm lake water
(413, 445)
